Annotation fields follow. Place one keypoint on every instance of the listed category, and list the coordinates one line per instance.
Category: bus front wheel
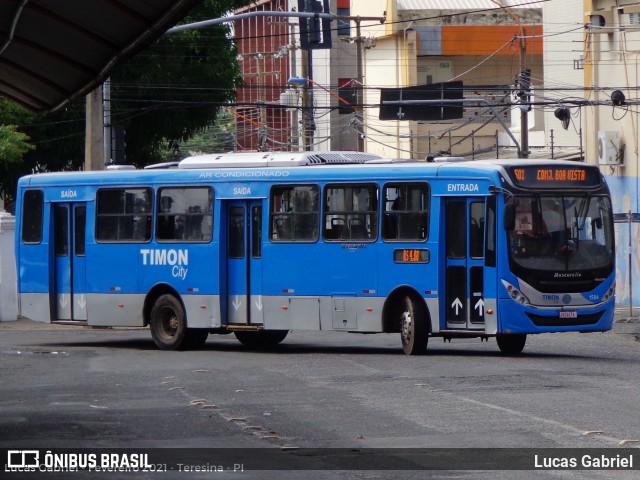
(262, 338)
(168, 323)
(413, 327)
(511, 344)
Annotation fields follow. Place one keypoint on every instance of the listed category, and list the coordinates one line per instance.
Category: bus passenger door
(244, 266)
(69, 294)
(464, 263)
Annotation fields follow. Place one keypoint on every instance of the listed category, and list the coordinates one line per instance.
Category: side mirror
(597, 222)
(509, 218)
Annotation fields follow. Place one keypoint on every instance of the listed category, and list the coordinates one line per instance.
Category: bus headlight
(610, 293)
(515, 294)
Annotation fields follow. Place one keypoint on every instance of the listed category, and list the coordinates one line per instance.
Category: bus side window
(294, 213)
(350, 212)
(185, 214)
(123, 214)
(32, 216)
(406, 211)
(490, 229)
(142, 219)
(476, 229)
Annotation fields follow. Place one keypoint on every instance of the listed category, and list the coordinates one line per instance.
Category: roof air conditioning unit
(609, 148)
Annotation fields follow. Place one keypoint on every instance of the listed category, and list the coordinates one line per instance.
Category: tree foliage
(174, 89)
(13, 145)
(162, 96)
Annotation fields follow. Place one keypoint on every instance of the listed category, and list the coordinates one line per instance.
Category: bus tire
(262, 338)
(511, 344)
(414, 333)
(168, 323)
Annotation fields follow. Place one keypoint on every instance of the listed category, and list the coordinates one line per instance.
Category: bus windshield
(562, 233)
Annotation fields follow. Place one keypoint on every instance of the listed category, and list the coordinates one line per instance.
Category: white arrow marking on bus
(457, 304)
(237, 303)
(63, 300)
(480, 307)
(82, 301)
(259, 302)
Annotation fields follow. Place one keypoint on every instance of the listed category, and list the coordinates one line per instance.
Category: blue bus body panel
(319, 270)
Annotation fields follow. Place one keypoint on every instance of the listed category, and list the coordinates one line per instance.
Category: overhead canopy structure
(52, 52)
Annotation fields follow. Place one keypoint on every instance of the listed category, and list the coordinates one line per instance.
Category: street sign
(446, 110)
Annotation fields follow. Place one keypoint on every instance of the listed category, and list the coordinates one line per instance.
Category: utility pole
(295, 133)
(262, 132)
(359, 40)
(524, 80)
(308, 122)
(106, 106)
(260, 74)
(94, 134)
(359, 80)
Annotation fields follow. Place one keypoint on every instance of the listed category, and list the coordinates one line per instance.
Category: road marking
(570, 428)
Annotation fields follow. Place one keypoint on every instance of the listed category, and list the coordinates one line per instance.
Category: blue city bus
(259, 244)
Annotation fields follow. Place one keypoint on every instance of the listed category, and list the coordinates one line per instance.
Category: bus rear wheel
(413, 327)
(168, 323)
(262, 338)
(511, 344)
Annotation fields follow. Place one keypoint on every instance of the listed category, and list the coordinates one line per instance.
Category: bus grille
(552, 321)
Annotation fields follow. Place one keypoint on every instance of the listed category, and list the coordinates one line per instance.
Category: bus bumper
(516, 318)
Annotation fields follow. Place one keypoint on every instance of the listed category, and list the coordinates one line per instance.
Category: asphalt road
(74, 387)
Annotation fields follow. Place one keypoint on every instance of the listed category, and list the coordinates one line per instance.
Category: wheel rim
(168, 322)
(406, 324)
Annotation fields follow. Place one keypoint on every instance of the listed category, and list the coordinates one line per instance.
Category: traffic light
(118, 145)
(315, 32)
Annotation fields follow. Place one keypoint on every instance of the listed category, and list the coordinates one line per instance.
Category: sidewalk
(627, 320)
(25, 324)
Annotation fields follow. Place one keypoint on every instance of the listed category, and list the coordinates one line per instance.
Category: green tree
(174, 89)
(13, 145)
(162, 96)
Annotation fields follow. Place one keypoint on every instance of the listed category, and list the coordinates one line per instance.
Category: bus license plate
(568, 314)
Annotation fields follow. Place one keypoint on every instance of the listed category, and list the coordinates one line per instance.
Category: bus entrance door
(464, 263)
(244, 268)
(68, 300)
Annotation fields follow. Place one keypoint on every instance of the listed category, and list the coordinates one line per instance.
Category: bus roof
(338, 165)
(275, 159)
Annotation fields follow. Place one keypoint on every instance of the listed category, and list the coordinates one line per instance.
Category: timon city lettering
(178, 259)
(161, 256)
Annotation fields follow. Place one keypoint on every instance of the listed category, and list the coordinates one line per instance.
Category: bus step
(242, 326)
(459, 333)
